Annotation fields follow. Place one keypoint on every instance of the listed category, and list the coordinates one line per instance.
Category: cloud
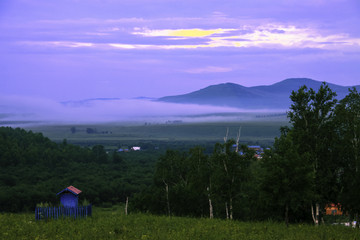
(270, 36)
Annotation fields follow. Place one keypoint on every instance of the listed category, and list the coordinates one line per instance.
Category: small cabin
(69, 197)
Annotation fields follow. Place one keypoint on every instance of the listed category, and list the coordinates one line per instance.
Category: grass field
(113, 224)
(111, 135)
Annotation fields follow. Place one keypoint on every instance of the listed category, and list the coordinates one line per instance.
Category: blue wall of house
(68, 199)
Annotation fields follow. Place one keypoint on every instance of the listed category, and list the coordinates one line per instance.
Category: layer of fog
(20, 108)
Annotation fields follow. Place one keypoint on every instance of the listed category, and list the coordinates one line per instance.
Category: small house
(69, 196)
(136, 148)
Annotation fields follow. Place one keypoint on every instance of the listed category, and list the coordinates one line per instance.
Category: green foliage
(311, 115)
(115, 225)
(230, 173)
(33, 169)
(347, 122)
(186, 182)
(44, 204)
(287, 179)
(85, 202)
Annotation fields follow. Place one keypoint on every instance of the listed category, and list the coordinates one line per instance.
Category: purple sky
(79, 49)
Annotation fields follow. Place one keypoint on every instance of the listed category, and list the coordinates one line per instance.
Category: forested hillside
(33, 169)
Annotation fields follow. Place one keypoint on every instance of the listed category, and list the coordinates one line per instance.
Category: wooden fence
(62, 212)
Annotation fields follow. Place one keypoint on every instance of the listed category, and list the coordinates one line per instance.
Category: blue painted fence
(62, 212)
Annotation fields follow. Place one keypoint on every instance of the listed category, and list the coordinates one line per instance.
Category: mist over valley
(222, 102)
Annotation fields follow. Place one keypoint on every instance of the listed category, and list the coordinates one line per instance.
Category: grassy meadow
(113, 135)
(111, 223)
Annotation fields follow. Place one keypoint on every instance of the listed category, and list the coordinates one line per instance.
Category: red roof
(72, 189)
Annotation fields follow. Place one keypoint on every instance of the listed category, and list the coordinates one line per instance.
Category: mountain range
(276, 96)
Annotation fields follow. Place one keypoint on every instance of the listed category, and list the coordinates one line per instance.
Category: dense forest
(314, 162)
(33, 169)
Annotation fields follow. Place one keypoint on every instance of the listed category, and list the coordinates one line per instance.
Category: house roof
(71, 189)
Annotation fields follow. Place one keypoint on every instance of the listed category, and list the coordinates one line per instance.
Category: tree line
(314, 162)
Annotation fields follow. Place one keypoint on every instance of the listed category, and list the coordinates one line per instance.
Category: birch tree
(230, 171)
(171, 176)
(311, 115)
(200, 182)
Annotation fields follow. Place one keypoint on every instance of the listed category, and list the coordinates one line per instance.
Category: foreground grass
(112, 224)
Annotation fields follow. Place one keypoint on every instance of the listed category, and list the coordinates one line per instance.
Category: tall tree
(200, 182)
(171, 175)
(311, 115)
(286, 181)
(348, 133)
(230, 171)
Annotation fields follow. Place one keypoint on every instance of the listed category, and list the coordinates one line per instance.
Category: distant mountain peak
(275, 96)
(298, 81)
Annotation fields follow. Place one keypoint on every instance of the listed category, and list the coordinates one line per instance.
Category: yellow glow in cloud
(185, 33)
(194, 32)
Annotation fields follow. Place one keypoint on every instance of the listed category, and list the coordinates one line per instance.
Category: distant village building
(255, 147)
(123, 149)
(69, 197)
(135, 148)
(259, 151)
(126, 149)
